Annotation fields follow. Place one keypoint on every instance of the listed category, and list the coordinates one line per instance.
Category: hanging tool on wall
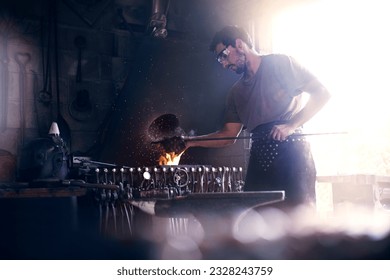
(22, 59)
(45, 95)
(43, 99)
(80, 108)
(62, 124)
(3, 77)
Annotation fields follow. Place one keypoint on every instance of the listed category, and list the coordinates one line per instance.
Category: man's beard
(241, 65)
(240, 69)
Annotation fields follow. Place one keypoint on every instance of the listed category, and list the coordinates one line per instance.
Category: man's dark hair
(228, 36)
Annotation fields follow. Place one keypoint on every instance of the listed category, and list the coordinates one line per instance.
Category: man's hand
(280, 132)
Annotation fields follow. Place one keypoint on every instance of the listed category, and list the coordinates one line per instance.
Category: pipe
(158, 19)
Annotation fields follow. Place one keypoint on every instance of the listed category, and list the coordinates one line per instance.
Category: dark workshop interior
(83, 84)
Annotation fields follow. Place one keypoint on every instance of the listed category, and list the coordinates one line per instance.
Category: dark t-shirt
(272, 94)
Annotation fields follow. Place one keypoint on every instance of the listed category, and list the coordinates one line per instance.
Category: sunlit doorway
(345, 44)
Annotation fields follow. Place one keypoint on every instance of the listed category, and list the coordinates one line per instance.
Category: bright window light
(345, 43)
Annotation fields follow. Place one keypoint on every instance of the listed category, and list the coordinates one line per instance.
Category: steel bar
(254, 137)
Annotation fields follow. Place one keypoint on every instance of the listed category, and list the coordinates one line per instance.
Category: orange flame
(170, 158)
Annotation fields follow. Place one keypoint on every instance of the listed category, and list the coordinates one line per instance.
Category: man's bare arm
(319, 96)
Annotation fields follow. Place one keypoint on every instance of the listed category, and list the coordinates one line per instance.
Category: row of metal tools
(115, 187)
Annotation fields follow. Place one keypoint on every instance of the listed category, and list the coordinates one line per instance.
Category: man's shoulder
(278, 60)
(275, 56)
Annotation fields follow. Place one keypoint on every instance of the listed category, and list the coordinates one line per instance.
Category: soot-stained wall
(130, 77)
(169, 76)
